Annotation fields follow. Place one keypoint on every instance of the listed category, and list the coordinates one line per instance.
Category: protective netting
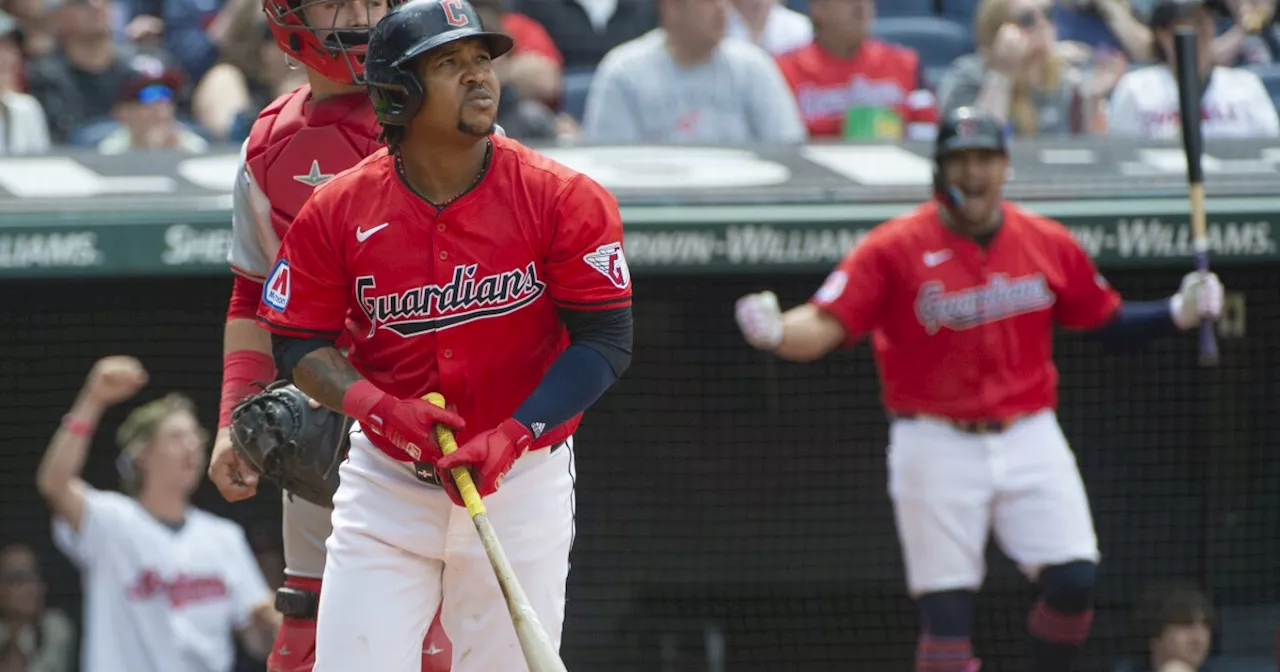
(732, 510)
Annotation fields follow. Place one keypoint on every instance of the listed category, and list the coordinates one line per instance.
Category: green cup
(872, 123)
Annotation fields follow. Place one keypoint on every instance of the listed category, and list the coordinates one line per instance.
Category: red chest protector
(298, 143)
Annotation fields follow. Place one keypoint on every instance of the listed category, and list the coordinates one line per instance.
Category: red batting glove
(490, 455)
(410, 424)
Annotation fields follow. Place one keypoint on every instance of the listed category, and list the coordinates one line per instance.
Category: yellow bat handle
(461, 475)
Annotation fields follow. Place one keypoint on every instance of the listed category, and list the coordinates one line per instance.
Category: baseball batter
(959, 297)
(456, 261)
(166, 585)
(299, 141)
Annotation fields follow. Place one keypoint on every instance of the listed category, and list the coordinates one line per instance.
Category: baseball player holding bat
(959, 297)
(299, 141)
(460, 262)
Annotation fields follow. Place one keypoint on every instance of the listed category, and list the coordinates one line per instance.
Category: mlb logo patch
(275, 291)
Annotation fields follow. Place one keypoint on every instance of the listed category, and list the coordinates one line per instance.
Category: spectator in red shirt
(853, 86)
(535, 64)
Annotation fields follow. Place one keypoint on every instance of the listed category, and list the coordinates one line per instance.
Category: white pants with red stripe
(399, 547)
(950, 489)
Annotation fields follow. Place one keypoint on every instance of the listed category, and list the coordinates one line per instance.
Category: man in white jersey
(1235, 103)
(165, 584)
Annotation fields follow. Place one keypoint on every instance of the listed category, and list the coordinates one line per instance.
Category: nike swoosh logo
(932, 259)
(362, 235)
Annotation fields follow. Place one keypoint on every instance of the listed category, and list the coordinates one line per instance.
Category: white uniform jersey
(253, 239)
(158, 599)
(1235, 105)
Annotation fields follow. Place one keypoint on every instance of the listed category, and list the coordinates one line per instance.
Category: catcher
(298, 142)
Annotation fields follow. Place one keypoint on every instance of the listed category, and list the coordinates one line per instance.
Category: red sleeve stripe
(620, 302)
(297, 332)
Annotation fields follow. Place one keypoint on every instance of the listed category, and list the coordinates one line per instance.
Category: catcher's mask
(407, 32)
(139, 432)
(336, 52)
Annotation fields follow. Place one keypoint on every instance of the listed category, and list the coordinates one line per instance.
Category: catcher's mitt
(288, 442)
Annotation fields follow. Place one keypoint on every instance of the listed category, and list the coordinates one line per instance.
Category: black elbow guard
(288, 351)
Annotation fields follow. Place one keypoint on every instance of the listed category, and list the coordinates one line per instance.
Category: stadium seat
(894, 8)
(576, 82)
(938, 41)
(960, 11)
(801, 6)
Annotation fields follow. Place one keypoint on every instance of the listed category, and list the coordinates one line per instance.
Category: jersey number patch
(275, 291)
(612, 264)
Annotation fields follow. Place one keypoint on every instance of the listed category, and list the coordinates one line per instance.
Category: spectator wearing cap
(23, 129)
(33, 638)
(684, 82)
(145, 111)
(1175, 621)
(1235, 103)
(1021, 76)
(853, 86)
(586, 30)
(78, 84)
(770, 25)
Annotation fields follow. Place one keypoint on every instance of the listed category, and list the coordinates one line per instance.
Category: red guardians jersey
(461, 301)
(963, 331)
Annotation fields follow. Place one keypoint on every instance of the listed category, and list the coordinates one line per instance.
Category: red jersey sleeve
(855, 292)
(585, 265)
(305, 294)
(1085, 300)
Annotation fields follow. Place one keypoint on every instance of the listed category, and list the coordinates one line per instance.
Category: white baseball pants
(950, 489)
(400, 546)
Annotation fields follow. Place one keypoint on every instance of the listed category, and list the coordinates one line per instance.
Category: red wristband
(241, 370)
(77, 427)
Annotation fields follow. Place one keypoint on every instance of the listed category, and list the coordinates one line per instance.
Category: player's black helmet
(409, 31)
(959, 129)
(968, 128)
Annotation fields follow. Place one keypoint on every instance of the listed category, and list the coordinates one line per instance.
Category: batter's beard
(479, 129)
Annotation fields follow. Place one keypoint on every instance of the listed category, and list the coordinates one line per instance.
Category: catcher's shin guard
(295, 646)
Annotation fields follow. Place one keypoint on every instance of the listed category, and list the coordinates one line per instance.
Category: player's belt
(427, 473)
(987, 426)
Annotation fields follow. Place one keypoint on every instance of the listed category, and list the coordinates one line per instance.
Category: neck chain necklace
(484, 169)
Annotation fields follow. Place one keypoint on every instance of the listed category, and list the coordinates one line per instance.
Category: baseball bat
(539, 653)
(1189, 83)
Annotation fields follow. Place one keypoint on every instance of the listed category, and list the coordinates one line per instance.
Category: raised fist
(114, 379)
(760, 320)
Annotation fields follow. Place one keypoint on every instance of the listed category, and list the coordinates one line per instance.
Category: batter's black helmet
(960, 129)
(406, 32)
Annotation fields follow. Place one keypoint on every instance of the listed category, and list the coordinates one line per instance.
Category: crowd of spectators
(122, 75)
